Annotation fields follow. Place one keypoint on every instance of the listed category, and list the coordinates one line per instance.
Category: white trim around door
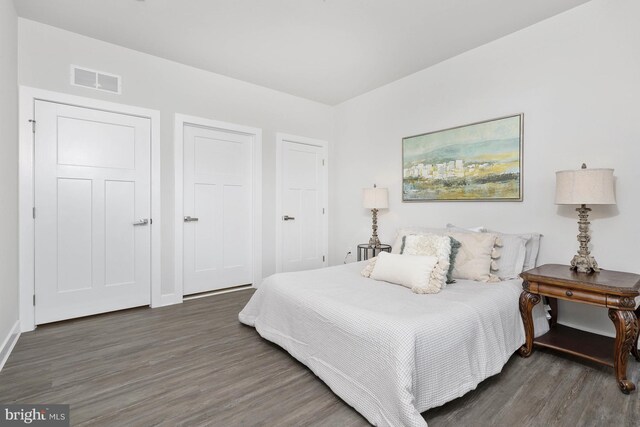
(256, 209)
(28, 98)
(324, 145)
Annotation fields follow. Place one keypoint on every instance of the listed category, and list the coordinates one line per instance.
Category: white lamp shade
(585, 187)
(375, 198)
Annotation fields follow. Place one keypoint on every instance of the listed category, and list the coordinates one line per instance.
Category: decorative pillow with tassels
(476, 256)
(411, 271)
(435, 245)
(366, 271)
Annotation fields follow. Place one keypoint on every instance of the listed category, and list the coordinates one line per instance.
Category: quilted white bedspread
(390, 353)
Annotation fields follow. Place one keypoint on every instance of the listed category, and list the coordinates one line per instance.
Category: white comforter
(390, 353)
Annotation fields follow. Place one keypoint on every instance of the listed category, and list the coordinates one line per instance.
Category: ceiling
(324, 50)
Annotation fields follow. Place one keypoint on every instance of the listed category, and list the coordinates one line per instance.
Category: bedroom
(571, 68)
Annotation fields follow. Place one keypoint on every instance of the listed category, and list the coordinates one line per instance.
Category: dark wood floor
(193, 364)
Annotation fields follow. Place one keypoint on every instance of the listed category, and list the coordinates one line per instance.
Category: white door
(302, 213)
(92, 189)
(218, 230)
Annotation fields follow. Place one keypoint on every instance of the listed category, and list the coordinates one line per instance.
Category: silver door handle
(190, 219)
(288, 218)
(144, 221)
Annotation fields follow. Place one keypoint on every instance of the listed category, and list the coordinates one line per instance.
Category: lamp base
(584, 264)
(374, 242)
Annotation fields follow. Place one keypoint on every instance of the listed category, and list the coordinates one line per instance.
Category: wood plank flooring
(194, 364)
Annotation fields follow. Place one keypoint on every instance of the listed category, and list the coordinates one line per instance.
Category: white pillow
(411, 271)
(397, 245)
(474, 260)
(431, 245)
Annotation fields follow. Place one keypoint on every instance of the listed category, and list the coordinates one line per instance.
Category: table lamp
(584, 187)
(375, 198)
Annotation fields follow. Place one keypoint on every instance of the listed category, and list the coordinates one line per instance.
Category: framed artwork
(476, 162)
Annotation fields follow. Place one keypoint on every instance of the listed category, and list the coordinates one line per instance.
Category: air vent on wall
(95, 79)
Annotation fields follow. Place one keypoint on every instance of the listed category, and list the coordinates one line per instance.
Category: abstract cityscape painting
(480, 161)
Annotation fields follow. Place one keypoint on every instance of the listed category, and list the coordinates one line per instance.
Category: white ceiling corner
(324, 50)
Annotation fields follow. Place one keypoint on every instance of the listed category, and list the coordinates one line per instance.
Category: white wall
(576, 78)
(45, 54)
(8, 168)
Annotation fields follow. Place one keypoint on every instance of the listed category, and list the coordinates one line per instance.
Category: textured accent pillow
(411, 271)
(474, 256)
(532, 247)
(431, 245)
(397, 245)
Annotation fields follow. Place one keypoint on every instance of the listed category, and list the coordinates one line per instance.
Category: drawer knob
(569, 293)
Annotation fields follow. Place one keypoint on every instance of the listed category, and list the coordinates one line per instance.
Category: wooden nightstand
(611, 289)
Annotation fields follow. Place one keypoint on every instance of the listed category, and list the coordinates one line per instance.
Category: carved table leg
(634, 349)
(527, 302)
(626, 325)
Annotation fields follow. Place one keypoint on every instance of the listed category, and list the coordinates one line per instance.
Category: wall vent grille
(97, 80)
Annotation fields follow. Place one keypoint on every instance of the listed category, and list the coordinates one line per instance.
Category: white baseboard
(218, 292)
(168, 299)
(8, 343)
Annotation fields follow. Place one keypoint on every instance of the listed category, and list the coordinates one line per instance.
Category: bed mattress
(389, 353)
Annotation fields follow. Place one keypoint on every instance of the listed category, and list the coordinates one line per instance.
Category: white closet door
(217, 207)
(302, 206)
(92, 185)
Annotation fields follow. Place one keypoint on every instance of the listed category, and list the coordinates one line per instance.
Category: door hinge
(150, 221)
(322, 211)
(34, 299)
(322, 162)
(33, 212)
(33, 125)
(322, 258)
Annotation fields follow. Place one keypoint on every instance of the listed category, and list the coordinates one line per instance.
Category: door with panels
(92, 218)
(218, 232)
(303, 196)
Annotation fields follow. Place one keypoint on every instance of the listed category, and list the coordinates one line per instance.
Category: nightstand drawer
(572, 294)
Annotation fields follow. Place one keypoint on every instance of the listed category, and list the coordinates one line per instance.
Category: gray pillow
(455, 247)
(532, 247)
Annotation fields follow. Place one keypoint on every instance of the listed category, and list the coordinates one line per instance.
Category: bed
(389, 353)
